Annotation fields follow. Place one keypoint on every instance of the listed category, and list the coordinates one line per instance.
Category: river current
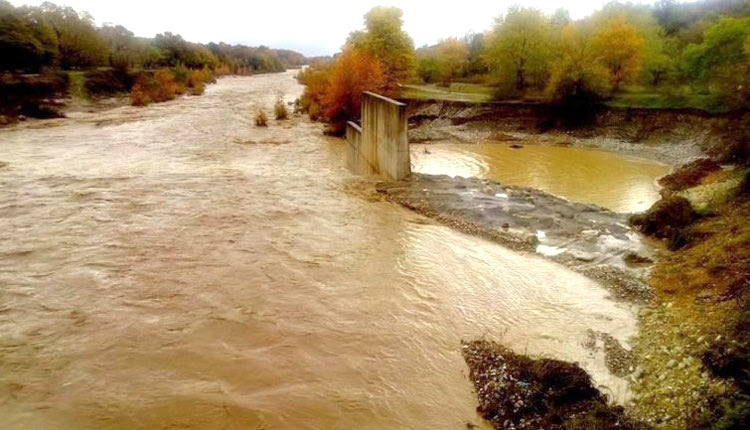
(176, 267)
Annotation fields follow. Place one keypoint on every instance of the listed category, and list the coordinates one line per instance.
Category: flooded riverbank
(176, 266)
(613, 181)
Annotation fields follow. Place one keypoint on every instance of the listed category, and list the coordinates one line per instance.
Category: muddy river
(176, 267)
(613, 181)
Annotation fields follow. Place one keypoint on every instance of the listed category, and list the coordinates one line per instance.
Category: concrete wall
(381, 145)
(355, 158)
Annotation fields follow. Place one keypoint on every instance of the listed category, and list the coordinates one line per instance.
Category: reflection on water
(177, 267)
(616, 182)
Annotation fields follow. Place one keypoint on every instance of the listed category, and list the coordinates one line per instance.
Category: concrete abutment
(380, 146)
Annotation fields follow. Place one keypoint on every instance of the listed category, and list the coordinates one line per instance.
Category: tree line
(671, 49)
(56, 37)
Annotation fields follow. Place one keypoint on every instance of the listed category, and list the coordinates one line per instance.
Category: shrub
(316, 79)
(166, 88)
(149, 89)
(181, 73)
(196, 81)
(665, 219)
(689, 175)
(138, 96)
(279, 109)
(354, 73)
(108, 82)
(333, 91)
(261, 120)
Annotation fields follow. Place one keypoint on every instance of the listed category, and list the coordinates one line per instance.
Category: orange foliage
(354, 73)
(316, 79)
(163, 85)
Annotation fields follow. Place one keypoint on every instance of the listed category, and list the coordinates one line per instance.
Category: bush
(665, 219)
(333, 91)
(165, 85)
(138, 96)
(32, 96)
(279, 109)
(159, 87)
(689, 175)
(261, 120)
(197, 79)
(354, 73)
(108, 82)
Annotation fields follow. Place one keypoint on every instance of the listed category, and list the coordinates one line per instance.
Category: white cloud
(311, 26)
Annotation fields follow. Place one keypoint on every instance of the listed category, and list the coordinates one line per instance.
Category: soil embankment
(674, 136)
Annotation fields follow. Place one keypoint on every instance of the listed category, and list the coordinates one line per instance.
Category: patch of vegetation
(707, 198)
(378, 59)
(280, 109)
(52, 36)
(261, 119)
(165, 84)
(33, 96)
(665, 219)
(519, 392)
(458, 92)
(108, 82)
(689, 175)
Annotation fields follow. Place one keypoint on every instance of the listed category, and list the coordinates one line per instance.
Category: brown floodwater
(607, 179)
(176, 267)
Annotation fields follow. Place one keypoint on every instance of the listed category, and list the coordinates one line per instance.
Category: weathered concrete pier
(380, 146)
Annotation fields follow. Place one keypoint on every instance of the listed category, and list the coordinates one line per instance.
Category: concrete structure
(380, 146)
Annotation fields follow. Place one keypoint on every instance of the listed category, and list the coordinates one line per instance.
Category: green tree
(385, 39)
(561, 18)
(428, 66)
(723, 45)
(477, 46)
(452, 55)
(27, 41)
(79, 42)
(520, 49)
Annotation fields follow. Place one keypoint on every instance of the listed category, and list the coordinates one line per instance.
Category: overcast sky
(313, 27)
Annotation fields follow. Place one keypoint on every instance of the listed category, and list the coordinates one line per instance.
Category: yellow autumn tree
(577, 76)
(619, 47)
(453, 56)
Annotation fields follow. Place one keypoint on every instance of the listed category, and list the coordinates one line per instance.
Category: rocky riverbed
(587, 238)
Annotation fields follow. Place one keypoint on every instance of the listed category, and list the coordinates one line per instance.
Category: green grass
(457, 92)
(636, 96)
(77, 84)
(631, 97)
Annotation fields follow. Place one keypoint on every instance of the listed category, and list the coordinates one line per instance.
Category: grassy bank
(456, 92)
(635, 97)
